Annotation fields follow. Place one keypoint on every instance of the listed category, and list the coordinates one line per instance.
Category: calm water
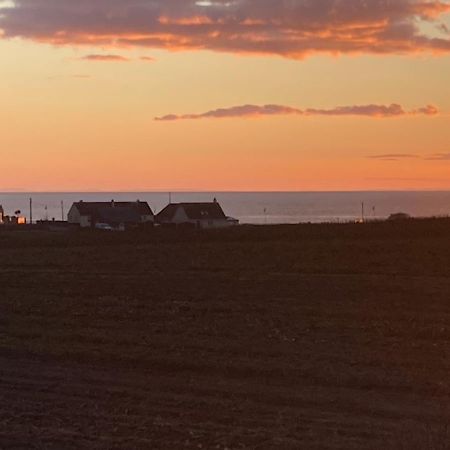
(255, 208)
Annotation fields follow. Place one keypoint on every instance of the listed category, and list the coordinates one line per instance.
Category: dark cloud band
(246, 111)
(105, 58)
(289, 28)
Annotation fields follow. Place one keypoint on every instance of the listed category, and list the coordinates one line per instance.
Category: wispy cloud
(438, 157)
(394, 156)
(75, 76)
(411, 156)
(292, 29)
(105, 58)
(249, 111)
(115, 58)
(444, 28)
(420, 179)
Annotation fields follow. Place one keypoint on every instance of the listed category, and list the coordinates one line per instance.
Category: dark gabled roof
(197, 211)
(94, 208)
(168, 212)
(118, 215)
(194, 211)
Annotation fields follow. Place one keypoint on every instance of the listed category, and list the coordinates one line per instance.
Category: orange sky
(81, 117)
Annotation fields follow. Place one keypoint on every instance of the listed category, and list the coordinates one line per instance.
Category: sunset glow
(247, 95)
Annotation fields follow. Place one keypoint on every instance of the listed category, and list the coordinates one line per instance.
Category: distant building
(399, 216)
(200, 215)
(13, 220)
(17, 219)
(115, 214)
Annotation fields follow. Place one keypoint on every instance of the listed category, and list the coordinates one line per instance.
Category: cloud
(429, 110)
(236, 111)
(394, 156)
(434, 179)
(114, 58)
(439, 157)
(443, 28)
(406, 156)
(105, 58)
(288, 28)
(75, 76)
(249, 111)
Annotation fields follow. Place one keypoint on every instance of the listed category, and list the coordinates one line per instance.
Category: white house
(88, 214)
(200, 215)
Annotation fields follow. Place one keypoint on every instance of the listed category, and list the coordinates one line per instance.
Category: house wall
(222, 223)
(147, 219)
(85, 221)
(75, 217)
(180, 217)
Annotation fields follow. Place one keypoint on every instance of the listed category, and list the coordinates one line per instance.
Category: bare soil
(290, 337)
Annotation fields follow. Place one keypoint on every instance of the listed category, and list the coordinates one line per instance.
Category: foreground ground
(314, 337)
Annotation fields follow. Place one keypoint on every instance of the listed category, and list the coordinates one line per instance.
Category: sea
(257, 208)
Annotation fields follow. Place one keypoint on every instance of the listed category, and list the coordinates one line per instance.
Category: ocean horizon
(252, 207)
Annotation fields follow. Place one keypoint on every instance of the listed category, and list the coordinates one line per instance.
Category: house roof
(194, 211)
(119, 215)
(97, 208)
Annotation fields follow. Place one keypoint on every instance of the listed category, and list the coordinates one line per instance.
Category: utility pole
(362, 212)
(31, 211)
(62, 210)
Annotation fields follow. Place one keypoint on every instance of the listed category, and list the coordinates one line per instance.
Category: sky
(224, 95)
